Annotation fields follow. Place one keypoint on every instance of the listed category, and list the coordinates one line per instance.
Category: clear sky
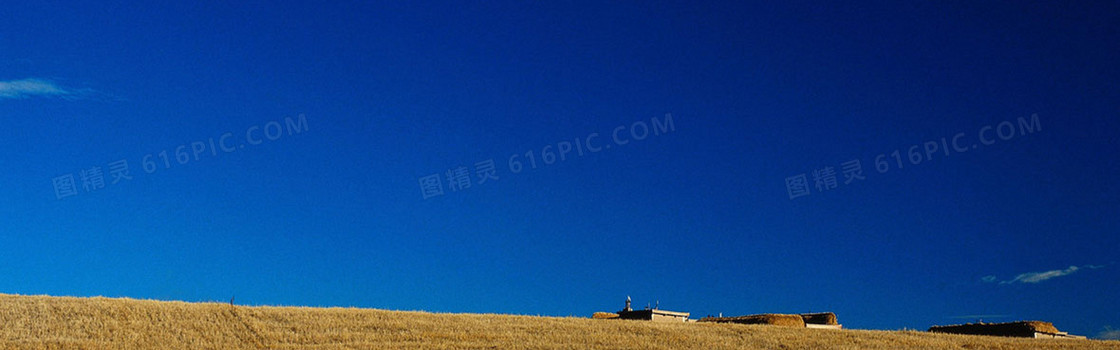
(724, 178)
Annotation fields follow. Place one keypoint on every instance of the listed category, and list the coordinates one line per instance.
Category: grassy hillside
(29, 322)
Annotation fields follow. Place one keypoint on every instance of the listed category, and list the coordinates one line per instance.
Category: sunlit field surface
(37, 322)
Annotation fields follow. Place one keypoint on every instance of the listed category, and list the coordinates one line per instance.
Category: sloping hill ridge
(41, 322)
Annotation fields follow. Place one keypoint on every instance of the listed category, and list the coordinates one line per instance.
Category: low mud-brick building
(1023, 329)
(825, 320)
(653, 314)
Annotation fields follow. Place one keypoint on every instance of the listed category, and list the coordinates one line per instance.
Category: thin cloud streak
(1036, 277)
(25, 88)
(1109, 334)
(973, 317)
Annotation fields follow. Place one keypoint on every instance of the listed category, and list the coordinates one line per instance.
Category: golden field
(40, 322)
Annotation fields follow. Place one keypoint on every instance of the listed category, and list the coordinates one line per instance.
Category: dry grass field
(38, 322)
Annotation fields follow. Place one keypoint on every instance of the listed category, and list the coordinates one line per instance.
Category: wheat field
(41, 322)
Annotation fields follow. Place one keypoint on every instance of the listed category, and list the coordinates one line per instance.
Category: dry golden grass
(37, 322)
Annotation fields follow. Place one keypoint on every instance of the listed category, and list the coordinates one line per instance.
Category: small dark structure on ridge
(1021, 329)
(653, 314)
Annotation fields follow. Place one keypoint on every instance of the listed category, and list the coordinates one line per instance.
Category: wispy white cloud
(1109, 334)
(25, 88)
(1036, 277)
(977, 317)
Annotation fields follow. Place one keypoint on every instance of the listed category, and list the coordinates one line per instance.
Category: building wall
(665, 318)
(1057, 336)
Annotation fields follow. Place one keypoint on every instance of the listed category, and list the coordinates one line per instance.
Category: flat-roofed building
(1023, 329)
(653, 314)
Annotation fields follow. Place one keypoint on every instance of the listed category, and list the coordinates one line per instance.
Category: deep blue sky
(699, 218)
